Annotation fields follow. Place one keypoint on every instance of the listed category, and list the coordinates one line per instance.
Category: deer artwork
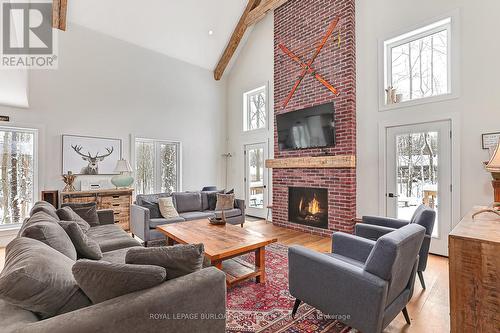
(92, 168)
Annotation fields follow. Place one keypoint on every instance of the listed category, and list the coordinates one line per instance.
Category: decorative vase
(124, 179)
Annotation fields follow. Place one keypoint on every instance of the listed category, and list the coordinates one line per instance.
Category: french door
(256, 179)
(418, 170)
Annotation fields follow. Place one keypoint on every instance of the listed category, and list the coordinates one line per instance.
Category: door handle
(392, 195)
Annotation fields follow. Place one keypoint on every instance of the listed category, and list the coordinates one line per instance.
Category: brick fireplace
(300, 25)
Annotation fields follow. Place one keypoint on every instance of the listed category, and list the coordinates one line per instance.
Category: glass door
(419, 172)
(256, 179)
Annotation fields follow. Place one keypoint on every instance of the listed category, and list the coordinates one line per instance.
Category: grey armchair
(373, 227)
(365, 284)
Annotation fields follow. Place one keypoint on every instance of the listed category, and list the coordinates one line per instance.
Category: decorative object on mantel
(490, 140)
(69, 180)
(84, 155)
(306, 67)
(493, 166)
(124, 179)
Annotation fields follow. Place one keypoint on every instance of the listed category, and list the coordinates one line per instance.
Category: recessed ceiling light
(210, 32)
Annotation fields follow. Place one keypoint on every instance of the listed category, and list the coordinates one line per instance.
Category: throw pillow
(154, 208)
(37, 217)
(67, 214)
(178, 260)
(86, 210)
(53, 235)
(167, 208)
(212, 199)
(85, 247)
(39, 279)
(102, 280)
(224, 202)
(44, 206)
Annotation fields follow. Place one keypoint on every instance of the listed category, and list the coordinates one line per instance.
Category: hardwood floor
(428, 309)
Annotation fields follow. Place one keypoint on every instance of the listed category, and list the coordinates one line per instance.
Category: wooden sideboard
(474, 259)
(118, 200)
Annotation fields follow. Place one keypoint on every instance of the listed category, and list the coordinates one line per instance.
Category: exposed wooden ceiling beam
(59, 10)
(259, 12)
(235, 40)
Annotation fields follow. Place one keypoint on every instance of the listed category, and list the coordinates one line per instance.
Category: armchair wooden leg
(407, 317)
(421, 278)
(296, 307)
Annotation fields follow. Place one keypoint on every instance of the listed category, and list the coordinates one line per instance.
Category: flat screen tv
(307, 128)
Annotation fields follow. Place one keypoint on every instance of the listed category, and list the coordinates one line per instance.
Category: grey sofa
(190, 206)
(373, 227)
(150, 310)
(364, 283)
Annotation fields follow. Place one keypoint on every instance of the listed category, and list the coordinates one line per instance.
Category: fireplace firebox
(308, 206)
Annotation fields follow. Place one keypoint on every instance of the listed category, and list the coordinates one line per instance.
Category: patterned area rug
(267, 308)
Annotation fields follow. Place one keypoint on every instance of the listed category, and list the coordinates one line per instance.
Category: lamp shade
(493, 165)
(123, 166)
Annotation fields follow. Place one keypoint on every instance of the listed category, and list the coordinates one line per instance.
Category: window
(417, 64)
(18, 174)
(255, 109)
(157, 166)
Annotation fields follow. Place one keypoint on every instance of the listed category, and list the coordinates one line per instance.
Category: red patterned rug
(267, 308)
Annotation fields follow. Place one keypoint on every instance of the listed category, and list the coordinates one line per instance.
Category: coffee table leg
(170, 241)
(217, 264)
(260, 264)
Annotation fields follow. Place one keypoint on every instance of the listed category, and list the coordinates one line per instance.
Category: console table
(474, 260)
(118, 200)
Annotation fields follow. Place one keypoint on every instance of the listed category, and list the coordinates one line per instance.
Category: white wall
(252, 69)
(477, 108)
(107, 87)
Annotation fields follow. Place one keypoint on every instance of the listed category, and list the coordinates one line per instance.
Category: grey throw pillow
(86, 210)
(85, 247)
(37, 217)
(154, 208)
(44, 206)
(224, 202)
(39, 279)
(67, 214)
(102, 280)
(53, 235)
(178, 260)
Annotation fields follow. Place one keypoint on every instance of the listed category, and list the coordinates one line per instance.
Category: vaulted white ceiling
(177, 28)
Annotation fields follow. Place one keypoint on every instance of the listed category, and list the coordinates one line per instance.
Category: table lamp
(493, 166)
(124, 179)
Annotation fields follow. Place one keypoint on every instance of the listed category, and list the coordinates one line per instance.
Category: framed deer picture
(85, 155)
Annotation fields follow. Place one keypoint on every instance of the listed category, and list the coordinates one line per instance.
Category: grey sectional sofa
(190, 206)
(198, 294)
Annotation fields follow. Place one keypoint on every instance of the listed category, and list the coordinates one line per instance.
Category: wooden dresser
(118, 200)
(474, 258)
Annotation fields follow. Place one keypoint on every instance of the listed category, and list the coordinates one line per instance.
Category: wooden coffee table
(223, 244)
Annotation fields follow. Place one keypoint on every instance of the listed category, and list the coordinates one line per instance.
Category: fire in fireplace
(308, 206)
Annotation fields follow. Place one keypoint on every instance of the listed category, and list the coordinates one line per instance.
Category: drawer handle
(116, 213)
(116, 205)
(116, 196)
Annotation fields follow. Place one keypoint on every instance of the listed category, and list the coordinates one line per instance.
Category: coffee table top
(220, 241)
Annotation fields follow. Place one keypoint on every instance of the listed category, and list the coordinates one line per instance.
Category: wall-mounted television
(307, 128)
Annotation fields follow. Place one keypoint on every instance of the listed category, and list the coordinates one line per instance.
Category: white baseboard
(7, 235)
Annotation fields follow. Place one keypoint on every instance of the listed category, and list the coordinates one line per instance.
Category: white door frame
(257, 212)
(414, 119)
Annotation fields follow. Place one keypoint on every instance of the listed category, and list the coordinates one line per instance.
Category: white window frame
(36, 167)
(449, 22)
(157, 166)
(246, 113)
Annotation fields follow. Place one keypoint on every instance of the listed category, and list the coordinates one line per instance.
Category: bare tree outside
(256, 110)
(420, 67)
(144, 164)
(16, 175)
(168, 154)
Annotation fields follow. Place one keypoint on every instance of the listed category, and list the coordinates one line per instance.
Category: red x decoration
(306, 67)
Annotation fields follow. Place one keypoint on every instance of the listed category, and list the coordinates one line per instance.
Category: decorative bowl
(216, 221)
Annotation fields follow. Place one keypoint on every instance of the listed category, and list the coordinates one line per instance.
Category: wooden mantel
(324, 162)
